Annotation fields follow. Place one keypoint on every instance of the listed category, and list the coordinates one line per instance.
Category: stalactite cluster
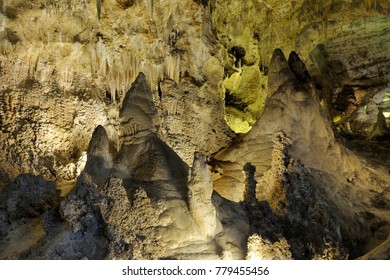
(179, 129)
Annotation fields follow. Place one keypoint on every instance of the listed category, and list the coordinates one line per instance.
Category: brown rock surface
(129, 108)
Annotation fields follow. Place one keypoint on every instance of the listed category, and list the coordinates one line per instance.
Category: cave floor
(23, 234)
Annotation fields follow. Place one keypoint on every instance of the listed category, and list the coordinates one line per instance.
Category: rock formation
(179, 129)
(200, 193)
(294, 108)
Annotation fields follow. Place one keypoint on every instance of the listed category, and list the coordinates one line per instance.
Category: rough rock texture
(129, 223)
(178, 126)
(29, 196)
(311, 175)
(78, 232)
(142, 93)
(354, 35)
(200, 188)
(71, 72)
(266, 240)
(289, 214)
(144, 208)
(271, 183)
(259, 249)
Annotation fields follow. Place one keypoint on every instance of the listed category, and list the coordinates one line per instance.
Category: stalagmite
(108, 101)
(199, 197)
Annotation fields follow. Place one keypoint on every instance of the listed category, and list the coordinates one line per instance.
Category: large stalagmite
(317, 172)
(135, 203)
(178, 130)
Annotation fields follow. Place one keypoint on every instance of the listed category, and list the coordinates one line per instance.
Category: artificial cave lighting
(188, 129)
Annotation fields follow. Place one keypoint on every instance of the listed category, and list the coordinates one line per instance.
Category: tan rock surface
(115, 101)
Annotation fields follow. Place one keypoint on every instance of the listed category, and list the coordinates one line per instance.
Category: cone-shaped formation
(153, 164)
(170, 214)
(143, 157)
(293, 108)
(99, 158)
(298, 67)
(138, 114)
(306, 169)
(279, 71)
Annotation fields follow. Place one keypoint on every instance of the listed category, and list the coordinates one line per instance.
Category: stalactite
(99, 8)
(5, 45)
(326, 18)
(93, 61)
(172, 68)
(172, 107)
(169, 28)
(152, 8)
(130, 129)
(3, 18)
(112, 90)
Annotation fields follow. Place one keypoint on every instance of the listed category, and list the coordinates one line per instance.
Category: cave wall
(344, 29)
(64, 71)
(70, 98)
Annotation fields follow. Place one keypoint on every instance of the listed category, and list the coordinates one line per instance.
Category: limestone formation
(143, 157)
(144, 208)
(344, 28)
(138, 113)
(279, 71)
(200, 188)
(71, 73)
(258, 249)
(29, 196)
(311, 139)
(99, 156)
(129, 223)
(271, 183)
(179, 129)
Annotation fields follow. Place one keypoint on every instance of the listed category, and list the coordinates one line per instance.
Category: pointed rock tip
(139, 89)
(99, 131)
(141, 76)
(298, 67)
(140, 81)
(278, 59)
(279, 71)
(99, 128)
(99, 140)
